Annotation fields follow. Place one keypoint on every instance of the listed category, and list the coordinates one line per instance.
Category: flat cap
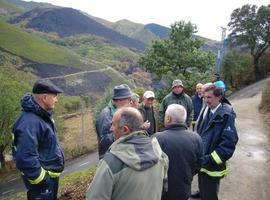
(177, 82)
(45, 87)
(121, 92)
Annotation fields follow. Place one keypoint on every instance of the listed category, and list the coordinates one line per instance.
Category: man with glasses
(121, 98)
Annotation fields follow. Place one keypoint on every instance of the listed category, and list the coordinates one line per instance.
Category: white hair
(177, 113)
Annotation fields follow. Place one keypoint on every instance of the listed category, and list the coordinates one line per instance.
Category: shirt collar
(215, 109)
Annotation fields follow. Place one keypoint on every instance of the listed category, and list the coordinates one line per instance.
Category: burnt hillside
(68, 22)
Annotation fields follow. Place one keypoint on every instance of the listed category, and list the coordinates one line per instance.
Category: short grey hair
(135, 97)
(131, 118)
(177, 113)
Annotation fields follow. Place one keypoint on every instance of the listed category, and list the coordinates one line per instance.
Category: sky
(208, 15)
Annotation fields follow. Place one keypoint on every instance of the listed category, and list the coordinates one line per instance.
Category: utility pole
(221, 50)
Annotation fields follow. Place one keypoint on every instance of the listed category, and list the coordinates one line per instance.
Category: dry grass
(77, 142)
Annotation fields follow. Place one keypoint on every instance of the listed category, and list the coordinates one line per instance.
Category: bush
(265, 102)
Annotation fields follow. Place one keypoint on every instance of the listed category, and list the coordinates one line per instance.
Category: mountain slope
(33, 48)
(160, 31)
(68, 21)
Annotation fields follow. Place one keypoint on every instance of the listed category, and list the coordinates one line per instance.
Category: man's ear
(168, 119)
(125, 130)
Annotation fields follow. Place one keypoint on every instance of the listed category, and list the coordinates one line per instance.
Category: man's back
(133, 169)
(184, 149)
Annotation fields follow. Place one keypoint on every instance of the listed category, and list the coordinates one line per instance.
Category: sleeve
(190, 111)
(162, 110)
(105, 136)
(101, 186)
(228, 141)
(199, 154)
(27, 156)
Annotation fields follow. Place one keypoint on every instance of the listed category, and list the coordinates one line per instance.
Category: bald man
(197, 101)
(134, 166)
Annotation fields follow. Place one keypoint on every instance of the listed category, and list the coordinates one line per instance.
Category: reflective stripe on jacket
(36, 147)
(219, 140)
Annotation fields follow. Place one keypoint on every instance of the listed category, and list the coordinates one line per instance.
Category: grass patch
(33, 48)
(71, 186)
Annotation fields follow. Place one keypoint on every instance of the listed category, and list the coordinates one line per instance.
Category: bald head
(175, 114)
(125, 121)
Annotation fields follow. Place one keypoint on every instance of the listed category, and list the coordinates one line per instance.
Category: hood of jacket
(137, 150)
(30, 105)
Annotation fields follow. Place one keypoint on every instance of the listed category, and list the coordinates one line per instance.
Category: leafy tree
(236, 69)
(251, 28)
(179, 55)
(11, 92)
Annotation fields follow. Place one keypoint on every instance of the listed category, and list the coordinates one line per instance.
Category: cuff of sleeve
(39, 178)
(216, 157)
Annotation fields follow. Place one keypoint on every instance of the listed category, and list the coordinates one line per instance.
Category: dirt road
(249, 176)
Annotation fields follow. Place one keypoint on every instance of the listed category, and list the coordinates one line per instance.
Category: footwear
(195, 195)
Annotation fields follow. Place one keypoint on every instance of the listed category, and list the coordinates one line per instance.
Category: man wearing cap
(177, 96)
(121, 97)
(36, 149)
(147, 111)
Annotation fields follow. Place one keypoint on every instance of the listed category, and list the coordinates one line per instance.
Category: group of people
(136, 161)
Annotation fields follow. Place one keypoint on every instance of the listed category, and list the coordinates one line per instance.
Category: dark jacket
(148, 114)
(184, 149)
(103, 125)
(197, 105)
(219, 138)
(36, 148)
(181, 99)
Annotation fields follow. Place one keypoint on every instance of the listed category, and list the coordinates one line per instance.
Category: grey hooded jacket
(134, 168)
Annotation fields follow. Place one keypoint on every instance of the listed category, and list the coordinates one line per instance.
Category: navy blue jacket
(197, 105)
(103, 125)
(184, 149)
(36, 148)
(219, 138)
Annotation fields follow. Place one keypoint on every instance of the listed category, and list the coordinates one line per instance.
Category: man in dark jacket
(197, 101)
(121, 97)
(177, 96)
(147, 110)
(184, 149)
(219, 136)
(36, 150)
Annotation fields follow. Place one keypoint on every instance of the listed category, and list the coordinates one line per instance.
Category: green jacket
(183, 99)
(134, 168)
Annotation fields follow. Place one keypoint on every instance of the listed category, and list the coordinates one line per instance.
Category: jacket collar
(176, 127)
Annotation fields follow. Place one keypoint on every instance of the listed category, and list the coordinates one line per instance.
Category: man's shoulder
(113, 162)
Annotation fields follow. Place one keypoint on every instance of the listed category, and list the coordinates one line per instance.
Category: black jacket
(184, 149)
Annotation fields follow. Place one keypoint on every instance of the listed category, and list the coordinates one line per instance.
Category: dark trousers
(209, 187)
(44, 191)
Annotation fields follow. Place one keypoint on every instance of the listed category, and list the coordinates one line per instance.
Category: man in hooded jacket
(134, 167)
(36, 149)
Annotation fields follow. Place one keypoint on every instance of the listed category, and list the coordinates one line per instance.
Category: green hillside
(96, 48)
(11, 8)
(26, 45)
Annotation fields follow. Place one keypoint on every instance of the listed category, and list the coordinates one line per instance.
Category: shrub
(265, 102)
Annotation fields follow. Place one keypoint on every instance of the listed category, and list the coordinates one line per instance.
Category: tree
(251, 28)
(236, 68)
(180, 54)
(10, 94)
